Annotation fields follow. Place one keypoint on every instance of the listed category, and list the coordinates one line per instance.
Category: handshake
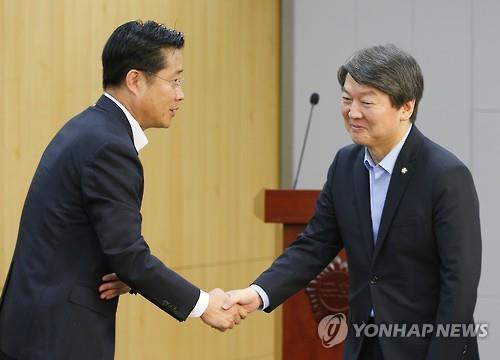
(224, 310)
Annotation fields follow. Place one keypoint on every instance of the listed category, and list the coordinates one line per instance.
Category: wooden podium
(325, 295)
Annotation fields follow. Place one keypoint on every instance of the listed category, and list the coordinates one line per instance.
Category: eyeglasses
(175, 83)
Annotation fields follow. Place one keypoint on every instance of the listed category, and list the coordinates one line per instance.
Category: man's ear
(407, 109)
(134, 81)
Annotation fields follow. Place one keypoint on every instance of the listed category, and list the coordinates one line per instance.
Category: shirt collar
(388, 162)
(138, 135)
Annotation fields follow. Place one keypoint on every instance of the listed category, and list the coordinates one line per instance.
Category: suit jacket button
(374, 280)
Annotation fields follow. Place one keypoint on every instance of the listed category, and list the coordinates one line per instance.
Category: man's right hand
(217, 317)
(246, 298)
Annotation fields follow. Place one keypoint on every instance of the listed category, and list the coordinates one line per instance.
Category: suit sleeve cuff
(262, 294)
(201, 305)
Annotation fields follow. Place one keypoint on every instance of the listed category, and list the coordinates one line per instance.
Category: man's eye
(346, 99)
(366, 103)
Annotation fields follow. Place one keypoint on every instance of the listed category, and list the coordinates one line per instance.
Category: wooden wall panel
(201, 175)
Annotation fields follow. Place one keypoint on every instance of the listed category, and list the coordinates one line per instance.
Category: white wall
(455, 43)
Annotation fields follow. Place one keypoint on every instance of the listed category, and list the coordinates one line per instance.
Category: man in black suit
(81, 219)
(406, 212)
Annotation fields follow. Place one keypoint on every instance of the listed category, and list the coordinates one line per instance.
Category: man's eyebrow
(368, 92)
(362, 93)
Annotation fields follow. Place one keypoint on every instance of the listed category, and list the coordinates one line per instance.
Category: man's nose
(354, 111)
(179, 93)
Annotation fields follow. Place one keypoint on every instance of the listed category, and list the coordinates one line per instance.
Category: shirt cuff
(262, 294)
(201, 305)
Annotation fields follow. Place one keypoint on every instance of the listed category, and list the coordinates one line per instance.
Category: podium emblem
(328, 293)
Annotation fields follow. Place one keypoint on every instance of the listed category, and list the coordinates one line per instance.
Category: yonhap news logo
(332, 330)
(479, 330)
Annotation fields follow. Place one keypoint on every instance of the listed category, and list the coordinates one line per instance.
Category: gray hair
(388, 69)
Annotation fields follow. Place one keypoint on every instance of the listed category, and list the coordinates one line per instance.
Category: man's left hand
(112, 286)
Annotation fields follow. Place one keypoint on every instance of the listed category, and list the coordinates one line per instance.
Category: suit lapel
(6, 284)
(401, 175)
(362, 198)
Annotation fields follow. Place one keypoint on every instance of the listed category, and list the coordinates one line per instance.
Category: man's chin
(166, 122)
(358, 140)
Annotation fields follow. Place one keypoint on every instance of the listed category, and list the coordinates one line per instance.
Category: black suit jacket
(81, 220)
(425, 266)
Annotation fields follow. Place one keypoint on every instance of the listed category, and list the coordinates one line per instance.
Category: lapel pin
(404, 170)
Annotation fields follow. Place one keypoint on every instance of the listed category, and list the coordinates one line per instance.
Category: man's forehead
(350, 85)
(174, 61)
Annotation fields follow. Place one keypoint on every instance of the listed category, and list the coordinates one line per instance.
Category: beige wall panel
(224, 136)
(5, 244)
(201, 175)
(192, 339)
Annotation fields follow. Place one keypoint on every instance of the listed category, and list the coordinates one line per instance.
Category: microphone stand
(314, 100)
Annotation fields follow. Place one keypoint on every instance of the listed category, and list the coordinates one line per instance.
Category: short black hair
(388, 69)
(137, 45)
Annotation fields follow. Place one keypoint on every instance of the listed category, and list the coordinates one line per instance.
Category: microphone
(314, 99)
